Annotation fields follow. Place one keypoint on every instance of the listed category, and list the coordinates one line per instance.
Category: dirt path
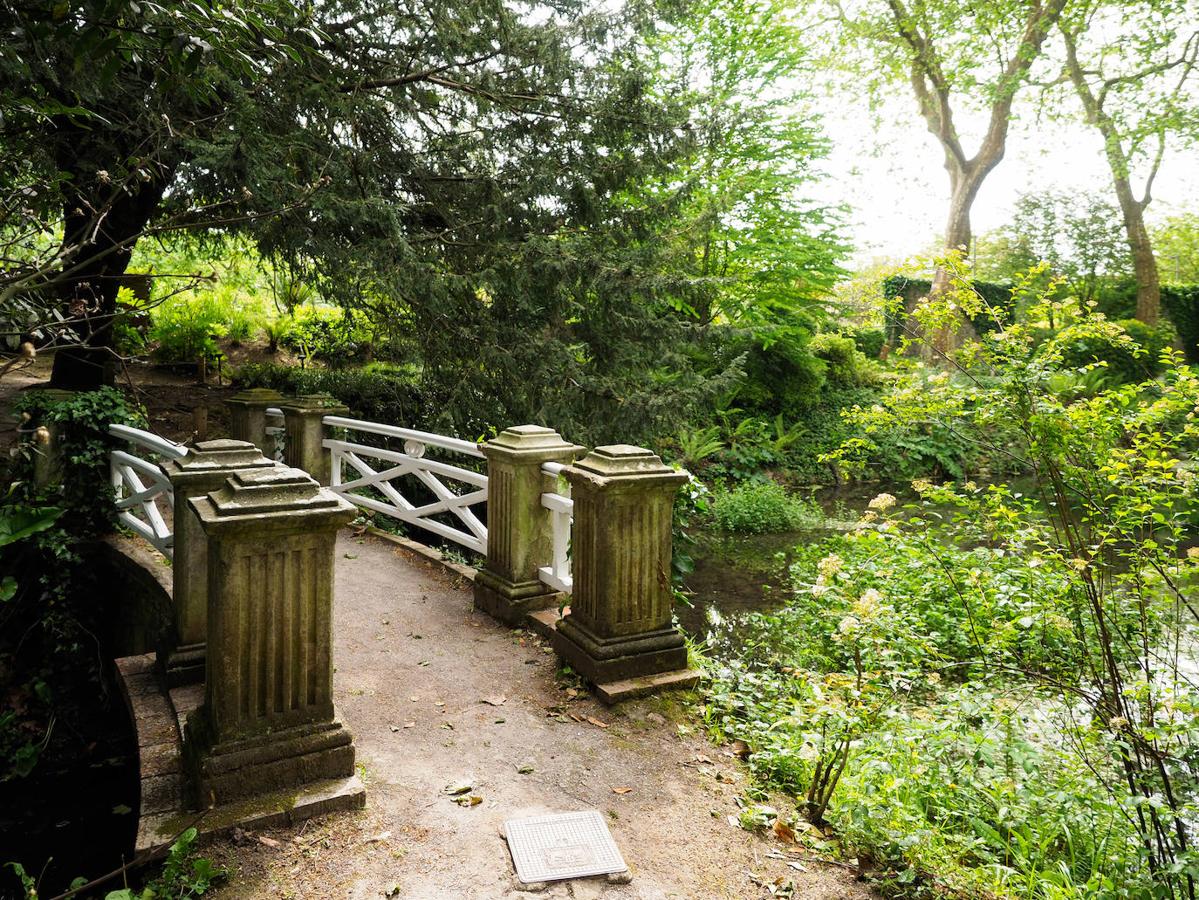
(415, 669)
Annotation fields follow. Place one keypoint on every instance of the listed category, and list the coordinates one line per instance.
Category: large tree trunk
(1144, 263)
(102, 222)
(1132, 209)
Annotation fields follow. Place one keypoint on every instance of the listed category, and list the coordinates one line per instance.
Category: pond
(738, 574)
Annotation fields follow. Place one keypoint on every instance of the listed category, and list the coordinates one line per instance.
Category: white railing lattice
(558, 575)
(143, 491)
(377, 474)
(276, 432)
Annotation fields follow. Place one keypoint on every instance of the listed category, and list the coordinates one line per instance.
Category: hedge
(997, 296)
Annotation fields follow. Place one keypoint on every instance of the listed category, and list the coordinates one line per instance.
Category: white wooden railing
(141, 485)
(378, 487)
(557, 574)
(276, 433)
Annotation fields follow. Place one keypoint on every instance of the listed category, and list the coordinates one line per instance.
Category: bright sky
(891, 176)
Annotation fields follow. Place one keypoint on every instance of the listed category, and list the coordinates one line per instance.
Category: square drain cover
(564, 845)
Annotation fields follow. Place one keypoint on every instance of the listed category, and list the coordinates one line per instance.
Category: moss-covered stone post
(247, 417)
(48, 461)
(267, 722)
(205, 468)
(519, 538)
(303, 419)
(619, 626)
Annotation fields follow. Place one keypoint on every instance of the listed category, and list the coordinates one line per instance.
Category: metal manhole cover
(564, 845)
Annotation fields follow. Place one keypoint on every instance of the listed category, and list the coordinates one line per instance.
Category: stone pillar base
(510, 603)
(184, 665)
(284, 759)
(602, 660)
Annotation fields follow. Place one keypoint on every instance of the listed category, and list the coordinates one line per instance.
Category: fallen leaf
(269, 842)
(378, 837)
(597, 723)
(458, 788)
(394, 727)
(409, 724)
(497, 700)
(798, 867)
(351, 556)
(524, 770)
(621, 790)
(472, 800)
(784, 832)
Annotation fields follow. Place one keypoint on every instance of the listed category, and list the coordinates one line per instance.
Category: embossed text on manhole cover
(564, 845)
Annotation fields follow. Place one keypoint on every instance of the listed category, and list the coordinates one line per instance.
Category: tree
(955, 56)
(1139, 93)
(764, 253)
(1078, 234)
(394, 153)
(1177, 243)
(103, 103)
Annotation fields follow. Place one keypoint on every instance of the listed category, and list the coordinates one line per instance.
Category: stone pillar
(204, 469)
(267, 722)
(302, 417)
(247, 417)
(519, 540)
(619, 625)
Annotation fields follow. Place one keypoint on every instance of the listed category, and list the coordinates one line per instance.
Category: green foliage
(869, 340)
(184, 874)
(1176, 243)
(1074, 595)
(761, 507)
(1181, 304)
(48, 617)
(391, 396)
(1129, 353)
(330, 335)
(1080, 236)
(902, 293)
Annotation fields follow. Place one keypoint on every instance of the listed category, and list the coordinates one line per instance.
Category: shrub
(869, 340)
(1181, 304)
(1125, 361)
(390, 397)
(762, 507)
(329, 335)
(186, 328)
(845, 365)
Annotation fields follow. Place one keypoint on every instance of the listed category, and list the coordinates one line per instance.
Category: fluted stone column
(267, 722)
(247, 417)
(619, 625)
(205, 468)
(519, 539)
(303, 418)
